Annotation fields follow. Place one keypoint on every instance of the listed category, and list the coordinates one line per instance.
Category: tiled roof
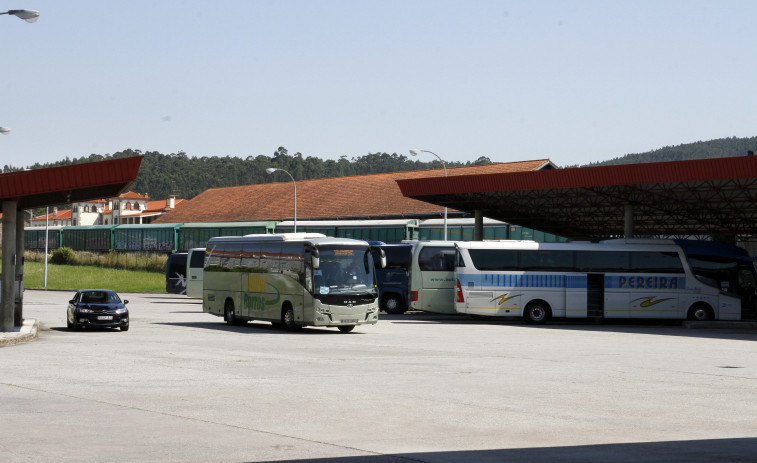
(63, 214)
(132, 195)
(333, 198)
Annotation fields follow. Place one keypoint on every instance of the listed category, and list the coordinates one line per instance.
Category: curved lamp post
(271, 170)
(416, 153)
(29, 16)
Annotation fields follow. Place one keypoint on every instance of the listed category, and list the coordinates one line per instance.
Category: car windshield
(99, 297)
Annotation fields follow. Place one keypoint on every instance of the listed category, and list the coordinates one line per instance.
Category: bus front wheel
(346, 328)
(393, 305)
(536, 313)
(287, 318)
(700, 312)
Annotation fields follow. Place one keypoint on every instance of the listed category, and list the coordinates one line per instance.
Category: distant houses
(127, 208)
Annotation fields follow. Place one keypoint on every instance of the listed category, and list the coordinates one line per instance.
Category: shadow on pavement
(696, 451)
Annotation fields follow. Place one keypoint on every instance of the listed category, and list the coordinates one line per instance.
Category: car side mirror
(71, 301)
(126, 301)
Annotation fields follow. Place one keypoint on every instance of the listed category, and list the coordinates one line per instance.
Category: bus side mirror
(383, 258)
(316, 258)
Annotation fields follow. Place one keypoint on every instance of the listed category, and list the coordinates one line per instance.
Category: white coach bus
(674, 279)
(291, 280)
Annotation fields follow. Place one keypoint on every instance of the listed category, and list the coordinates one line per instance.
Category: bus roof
(609, 245)
(313, 238)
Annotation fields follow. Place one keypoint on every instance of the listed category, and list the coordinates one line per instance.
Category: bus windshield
(344, 270)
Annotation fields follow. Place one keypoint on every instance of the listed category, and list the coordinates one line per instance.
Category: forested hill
(720, 148)
(161, 175)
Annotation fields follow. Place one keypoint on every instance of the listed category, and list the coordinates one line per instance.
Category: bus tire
(393, 305)
(346, 328)
(700, 312)
(287, 318)
(228, 313)
(537, 313)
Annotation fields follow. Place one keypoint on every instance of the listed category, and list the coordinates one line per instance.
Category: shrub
(63, 256)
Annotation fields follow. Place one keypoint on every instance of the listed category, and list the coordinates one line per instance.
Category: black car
(97, 308)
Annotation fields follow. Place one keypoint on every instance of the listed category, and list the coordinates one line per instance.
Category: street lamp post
(416, 153)
(271, 170)
(29, 16)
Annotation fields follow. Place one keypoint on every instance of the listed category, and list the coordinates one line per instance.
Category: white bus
(195, 268)
(291, 280)
(432, 276)
(674, 279)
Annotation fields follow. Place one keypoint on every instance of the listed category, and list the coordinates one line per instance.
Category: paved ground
(182, 386)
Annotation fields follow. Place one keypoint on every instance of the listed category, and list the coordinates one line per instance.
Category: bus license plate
(351, 322)
(105, 317)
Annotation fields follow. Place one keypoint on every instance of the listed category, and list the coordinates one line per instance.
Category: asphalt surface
(182, 386)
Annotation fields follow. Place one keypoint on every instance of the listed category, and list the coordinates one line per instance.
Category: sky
(572, 81)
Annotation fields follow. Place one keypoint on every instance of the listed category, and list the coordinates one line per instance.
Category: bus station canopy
(713, 197)
(61, 185)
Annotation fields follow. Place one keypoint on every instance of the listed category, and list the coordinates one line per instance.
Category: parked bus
(195, 270)
(291, 280)
(432, 277)
(176, 273)
(673, 279)
(392, 281)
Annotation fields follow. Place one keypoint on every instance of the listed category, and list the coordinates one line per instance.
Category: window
(603, 261)
(437, 259)
(549, 261)
(656, 262)
(494, 259)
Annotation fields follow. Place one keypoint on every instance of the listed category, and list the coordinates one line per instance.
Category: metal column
(9, 267)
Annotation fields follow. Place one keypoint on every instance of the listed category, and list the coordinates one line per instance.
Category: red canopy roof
(701, 197)
(78, 182)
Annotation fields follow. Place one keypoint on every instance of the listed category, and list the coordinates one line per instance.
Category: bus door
(595, 295)
(748, 290)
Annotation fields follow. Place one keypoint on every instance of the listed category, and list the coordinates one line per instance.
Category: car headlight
(121, 311)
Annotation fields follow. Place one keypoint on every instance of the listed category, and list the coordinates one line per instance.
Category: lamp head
(271, 170)
(4, 130)
(415, 152)
(29, 16)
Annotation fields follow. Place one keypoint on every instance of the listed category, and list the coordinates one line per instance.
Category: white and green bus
(291, 280)
(432, 277)
(672, 279)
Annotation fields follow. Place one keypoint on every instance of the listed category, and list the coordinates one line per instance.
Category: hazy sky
(573, 81)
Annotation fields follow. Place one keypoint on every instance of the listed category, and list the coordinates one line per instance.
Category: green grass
(75, 277)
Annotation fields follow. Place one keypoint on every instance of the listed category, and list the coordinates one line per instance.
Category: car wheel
(125, 328)
(346, 328)
(69, 325)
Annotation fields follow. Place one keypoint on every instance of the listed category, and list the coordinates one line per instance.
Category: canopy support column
(628, 225)
(478, 227)
(9, 267)
(18, 315)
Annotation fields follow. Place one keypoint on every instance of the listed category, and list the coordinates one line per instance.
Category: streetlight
(4, 130)
(416, 153)
(271, 170)
(29, 16)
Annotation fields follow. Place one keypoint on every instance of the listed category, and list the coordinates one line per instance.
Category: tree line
(161, 175)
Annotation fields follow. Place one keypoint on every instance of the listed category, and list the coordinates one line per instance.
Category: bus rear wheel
(228, 313)
(700, 312)
(393, 305)
(536, 313)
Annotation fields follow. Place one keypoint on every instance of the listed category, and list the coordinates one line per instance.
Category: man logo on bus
(649, 301)
(502, 298)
